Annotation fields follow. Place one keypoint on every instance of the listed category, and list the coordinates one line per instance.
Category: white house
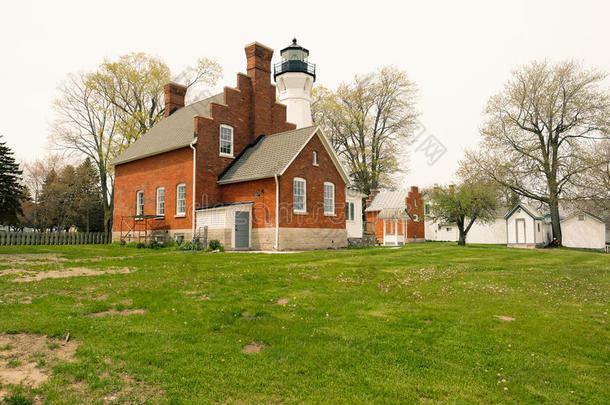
(583, 230)
(493, 232)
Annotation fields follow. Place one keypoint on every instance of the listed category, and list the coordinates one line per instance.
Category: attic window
(315, 158)
(581, 217)
(226, 141)
(416, 218)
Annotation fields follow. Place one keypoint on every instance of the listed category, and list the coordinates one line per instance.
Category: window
(299, 195)
(538, 226)
(415, 217)
(161, 201)
(581, 217)
(140, 203)
(181, 199)
(226, 141)
(448, 229)
(427, 209)
(329, 198)
(315, 158)
(349, 211)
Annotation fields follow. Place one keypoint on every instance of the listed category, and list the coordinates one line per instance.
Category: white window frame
(220, 141)
(294, 195)
(140, 202)
(161, 202)
(315, 158)
(178, 212)
(332, 201)
(349, 211)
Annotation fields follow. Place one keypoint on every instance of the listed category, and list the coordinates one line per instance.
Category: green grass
(408, 325)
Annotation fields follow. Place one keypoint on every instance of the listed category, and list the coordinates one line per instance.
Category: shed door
(242, 229)
(520, 222)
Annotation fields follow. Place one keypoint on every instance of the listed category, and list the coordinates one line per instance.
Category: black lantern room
(294, 59)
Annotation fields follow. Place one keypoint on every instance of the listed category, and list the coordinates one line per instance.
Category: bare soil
(253, 348)
(71, 272)
(28, 359)
(504, 318)
(111, 312)
(283, 301)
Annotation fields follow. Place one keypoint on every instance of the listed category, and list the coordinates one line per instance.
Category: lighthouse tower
(294, 76)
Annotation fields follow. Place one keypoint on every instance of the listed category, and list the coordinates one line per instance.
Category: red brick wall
(165, 170)
(315, 177)
(263, 209)
(415, 206)
(250, 109)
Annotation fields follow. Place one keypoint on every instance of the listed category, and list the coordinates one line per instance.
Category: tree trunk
(555, 219)
(462, 233)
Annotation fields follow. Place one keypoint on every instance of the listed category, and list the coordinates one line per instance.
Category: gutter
(194, 220)
(277, 212)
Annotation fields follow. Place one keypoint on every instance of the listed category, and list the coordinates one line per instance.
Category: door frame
(517, 220)
(233, 236)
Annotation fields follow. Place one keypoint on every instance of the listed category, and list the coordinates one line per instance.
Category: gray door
(242, 229)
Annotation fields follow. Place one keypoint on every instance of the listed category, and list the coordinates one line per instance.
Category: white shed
(525, 227)
(583, 230)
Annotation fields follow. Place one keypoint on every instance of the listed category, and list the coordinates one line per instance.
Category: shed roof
(173, 132)
(388, 199)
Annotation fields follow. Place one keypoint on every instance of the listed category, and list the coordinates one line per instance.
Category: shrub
(216, 245)
(154, 245)
(196, 245)
(141, 245)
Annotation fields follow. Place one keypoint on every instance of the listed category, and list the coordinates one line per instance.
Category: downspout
(194, 218)
(277, 213)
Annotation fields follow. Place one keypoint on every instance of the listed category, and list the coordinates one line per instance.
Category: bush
(216, 245)
(154, 245)
(141, 245)
(196, 245)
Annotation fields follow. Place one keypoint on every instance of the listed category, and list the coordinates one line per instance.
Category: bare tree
(368, 121)
(538, 132)
(133, 84)
(87, 124)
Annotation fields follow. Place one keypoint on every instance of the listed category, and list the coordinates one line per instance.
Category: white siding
(587, 234)
(531, 237)
(491, 232)
(354, 228)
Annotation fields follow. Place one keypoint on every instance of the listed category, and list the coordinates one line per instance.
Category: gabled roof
(173, 132)
(273, 154)
(388, 199)
(527, 208)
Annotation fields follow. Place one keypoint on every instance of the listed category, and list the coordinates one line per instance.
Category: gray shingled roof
(268, 157)
(173, 132)
(388, 199)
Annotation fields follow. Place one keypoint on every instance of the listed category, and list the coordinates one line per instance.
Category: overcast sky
(458, 53)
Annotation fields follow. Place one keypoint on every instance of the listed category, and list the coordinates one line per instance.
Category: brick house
(232, 166)
(390, 213)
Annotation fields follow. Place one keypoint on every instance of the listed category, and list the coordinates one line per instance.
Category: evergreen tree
(12, 191)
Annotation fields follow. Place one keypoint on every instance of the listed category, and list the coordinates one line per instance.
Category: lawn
(430, 323)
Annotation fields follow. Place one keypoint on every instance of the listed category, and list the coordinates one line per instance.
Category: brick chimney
(259, 70)
(174, 97)
(369, 199)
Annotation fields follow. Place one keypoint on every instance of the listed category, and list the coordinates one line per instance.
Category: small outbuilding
(583, 230)
(526, 227)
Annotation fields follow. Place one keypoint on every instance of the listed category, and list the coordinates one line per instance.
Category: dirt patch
(72, 272)
(23, 258)
(28, 359)
(198, 295)
(283, 301)
(111, 312)
(504, 318)
(253, 348)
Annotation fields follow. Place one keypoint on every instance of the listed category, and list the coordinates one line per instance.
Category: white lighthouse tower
(294, 76)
